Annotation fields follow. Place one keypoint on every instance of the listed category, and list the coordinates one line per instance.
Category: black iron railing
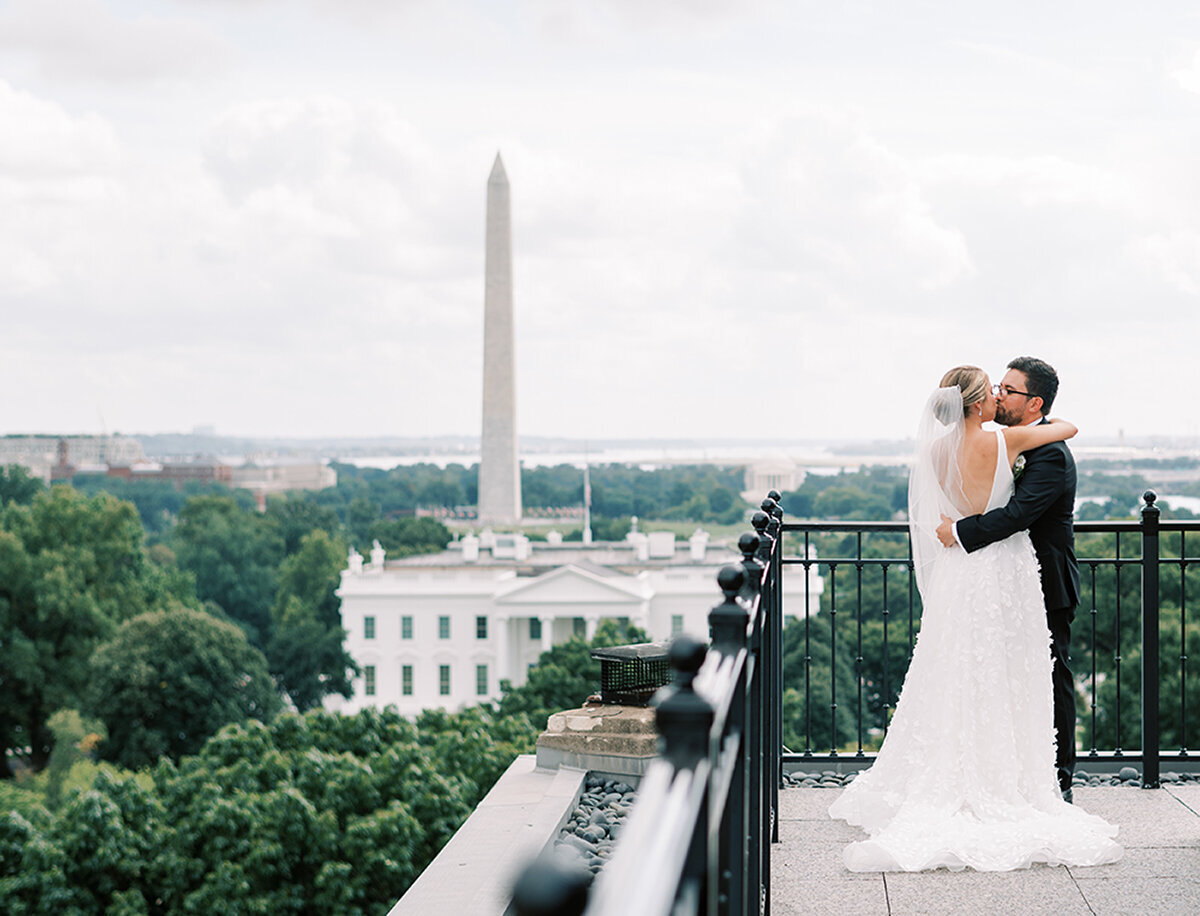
(1135, 575)
(699, 837)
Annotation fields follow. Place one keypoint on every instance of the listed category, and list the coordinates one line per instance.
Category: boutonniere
(1018, 468)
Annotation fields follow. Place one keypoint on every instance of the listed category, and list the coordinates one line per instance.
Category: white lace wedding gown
(966, 776)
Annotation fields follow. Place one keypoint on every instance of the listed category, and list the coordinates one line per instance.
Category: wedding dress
(966, 775)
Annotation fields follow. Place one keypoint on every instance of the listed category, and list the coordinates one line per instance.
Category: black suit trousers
(1059, 620)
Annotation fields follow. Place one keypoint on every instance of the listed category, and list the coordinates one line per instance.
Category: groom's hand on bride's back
(945, 532)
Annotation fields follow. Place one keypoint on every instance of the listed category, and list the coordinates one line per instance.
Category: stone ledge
(473, 874)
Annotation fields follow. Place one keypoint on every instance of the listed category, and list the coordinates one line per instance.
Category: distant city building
(58, 457)
(177, 473)
(263, 477)
(63, 458)
(774, 473)
(443, 630)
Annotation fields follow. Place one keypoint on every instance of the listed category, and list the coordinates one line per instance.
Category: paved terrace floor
(1160, 873)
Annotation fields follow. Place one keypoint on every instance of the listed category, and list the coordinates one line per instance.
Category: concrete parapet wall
(519, 817)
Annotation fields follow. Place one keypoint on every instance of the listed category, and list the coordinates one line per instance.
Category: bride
(966, 775)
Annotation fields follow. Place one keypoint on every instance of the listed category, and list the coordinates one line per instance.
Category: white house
(443, 630)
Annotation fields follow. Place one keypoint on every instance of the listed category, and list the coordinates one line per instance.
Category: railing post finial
(727, 621)
(774, 517)
(683, 717)
(748, 544)
(774, 509)
(552, 884)
(760, 520)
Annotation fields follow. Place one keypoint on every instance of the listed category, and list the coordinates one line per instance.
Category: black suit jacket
(1044, 503)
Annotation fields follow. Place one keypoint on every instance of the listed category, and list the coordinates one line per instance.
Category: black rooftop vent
(630, 675)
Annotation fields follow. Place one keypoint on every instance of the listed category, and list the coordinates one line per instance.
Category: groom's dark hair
(1040, 377)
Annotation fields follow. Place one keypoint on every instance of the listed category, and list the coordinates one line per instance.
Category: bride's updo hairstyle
(971, 381)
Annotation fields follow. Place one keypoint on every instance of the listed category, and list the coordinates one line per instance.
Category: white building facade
(444, 630)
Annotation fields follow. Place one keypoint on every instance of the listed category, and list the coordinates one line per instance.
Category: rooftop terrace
(714, 830)
(1160, 873)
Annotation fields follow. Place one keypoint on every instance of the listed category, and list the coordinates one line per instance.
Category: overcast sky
(730, 218)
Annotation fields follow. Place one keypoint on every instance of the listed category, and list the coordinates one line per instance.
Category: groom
(1044, 503)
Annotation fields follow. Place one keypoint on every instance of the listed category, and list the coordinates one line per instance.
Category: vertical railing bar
(858, 614)
(1095, 691)
(887, 696)
(808, 744)
(833, 659)
(1150, 643)
(1183, 659)
(776, 574)
(1117, 645)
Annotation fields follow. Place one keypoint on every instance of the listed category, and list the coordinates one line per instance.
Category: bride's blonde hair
(971, 381)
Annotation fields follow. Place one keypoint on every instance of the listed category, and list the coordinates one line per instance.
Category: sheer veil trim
(935, 481)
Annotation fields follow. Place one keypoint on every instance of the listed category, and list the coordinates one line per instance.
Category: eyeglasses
(1004, 391)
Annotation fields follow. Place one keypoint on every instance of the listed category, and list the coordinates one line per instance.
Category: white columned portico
(547, 631)
(591, 622)
(501, 649)
(641, 620)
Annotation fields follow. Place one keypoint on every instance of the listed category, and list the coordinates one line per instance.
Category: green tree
(476, 743)
(402, 537)
(234, 553)
(361, 513)
(170, 679)
(71, 569)
(318, 812)
(17, 486)
(74, 739)
(296, 515)
(306, 651)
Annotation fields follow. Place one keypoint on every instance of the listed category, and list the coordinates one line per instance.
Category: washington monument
(499, 470)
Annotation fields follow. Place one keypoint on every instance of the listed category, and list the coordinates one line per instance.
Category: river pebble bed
(1126, 776)
(595, 824)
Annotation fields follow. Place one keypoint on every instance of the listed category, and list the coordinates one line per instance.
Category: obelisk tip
(498, 173)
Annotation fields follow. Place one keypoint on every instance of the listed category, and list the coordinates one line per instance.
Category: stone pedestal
(615, 740)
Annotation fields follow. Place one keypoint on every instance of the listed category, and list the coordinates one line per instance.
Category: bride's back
(977, 468)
